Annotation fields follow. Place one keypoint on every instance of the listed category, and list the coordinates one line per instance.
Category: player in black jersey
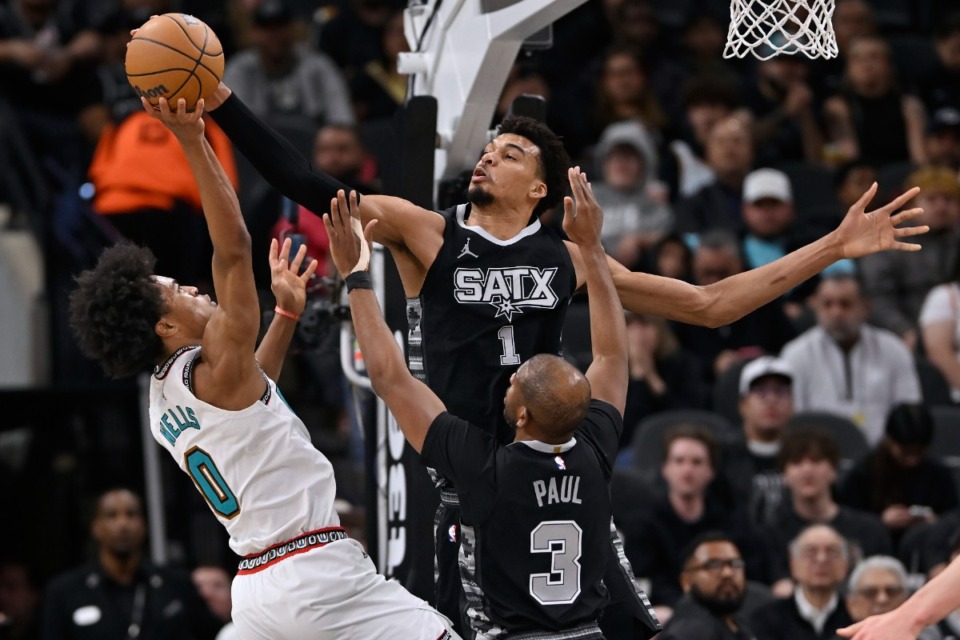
(536, 513)
(486, 316)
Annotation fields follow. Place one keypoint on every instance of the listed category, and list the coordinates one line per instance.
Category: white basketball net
(766, 28)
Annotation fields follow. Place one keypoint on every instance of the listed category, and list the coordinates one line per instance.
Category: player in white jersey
(223, 420)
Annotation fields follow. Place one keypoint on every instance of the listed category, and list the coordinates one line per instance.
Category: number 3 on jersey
(207, 477)
(561, 539)
(509, 356)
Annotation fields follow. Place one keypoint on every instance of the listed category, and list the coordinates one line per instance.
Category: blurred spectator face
(784, 70)
(673, 259)
(18, 596)
(213, 583)
(703, 117)
(645, 332)
(36, 12)
(878, 591)
(943, 147)
(705, 37)
(394, 42)
(818, 560)
(856, 182)
(118, 526)
(768, 217)
(940, 210)
(948, 50)
(624, 168)
(520, 83)
(852, 19)
(713, 265)
(274, 39)
(729, 149)
(687, 468)
(766, 408)
(338, 151)
(634, 21)
(907, 456)
(714, 577)
(868, 66)
(809, 477)
(841, 309)
(622, 80)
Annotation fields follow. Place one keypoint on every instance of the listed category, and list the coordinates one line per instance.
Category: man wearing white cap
(766, 406)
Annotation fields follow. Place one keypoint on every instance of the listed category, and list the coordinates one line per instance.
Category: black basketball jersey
(536, 524)
(486, 306)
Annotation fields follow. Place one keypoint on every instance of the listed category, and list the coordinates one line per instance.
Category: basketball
(174, 56)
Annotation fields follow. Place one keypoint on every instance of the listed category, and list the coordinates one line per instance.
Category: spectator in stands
(351, 35)
(715, 586)
(378, 89)
(662, 375)
(879, 584)
(119, 594)
(729, 154)
(942, 142)
(898, 284)
(765, 330)
(809, 458)
(750, 466)
(671, 257)
(635, 214)
(898, 480)
(870, 117)
(941, 87)
(337, 151)
(665, 528)
(213, 584)
(852, 19)
(279, 78)
(524, 78)
(940, 326)
(623, 92)
(704, 34)
(819, 558)
(785, 108)
(706, 101)
(845, 366)
(19, 601)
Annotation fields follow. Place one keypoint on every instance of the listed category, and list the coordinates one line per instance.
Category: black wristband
(359, 280)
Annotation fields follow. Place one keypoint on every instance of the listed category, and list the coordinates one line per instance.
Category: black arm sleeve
(276, 159)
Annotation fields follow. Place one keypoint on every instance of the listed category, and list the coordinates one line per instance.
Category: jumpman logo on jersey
(466, 251)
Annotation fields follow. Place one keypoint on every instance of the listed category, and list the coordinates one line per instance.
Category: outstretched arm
(230, 336)
(402, 225)
(582, 219)
(289, 288)
(933, 602)
(859, 234)
(412, 403)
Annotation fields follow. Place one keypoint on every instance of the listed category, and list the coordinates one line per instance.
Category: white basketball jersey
(256, 468)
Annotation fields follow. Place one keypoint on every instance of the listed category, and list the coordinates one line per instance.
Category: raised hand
(862, 233)
(582, 215)
(289, 286)
(184, 124)
(349, 242)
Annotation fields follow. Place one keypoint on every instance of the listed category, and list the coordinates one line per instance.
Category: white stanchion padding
(767, 28)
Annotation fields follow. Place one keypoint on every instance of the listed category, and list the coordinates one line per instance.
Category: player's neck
(499, 221)
(121, 569)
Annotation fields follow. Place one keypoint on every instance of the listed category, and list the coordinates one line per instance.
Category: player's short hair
(691, 431)
(114, 309)
(557, 411)
(813, 442)
(553, 161)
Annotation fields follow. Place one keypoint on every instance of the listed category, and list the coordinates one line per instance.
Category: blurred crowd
(808, 452)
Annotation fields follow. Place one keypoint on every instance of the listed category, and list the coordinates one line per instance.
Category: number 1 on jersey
(509, 355)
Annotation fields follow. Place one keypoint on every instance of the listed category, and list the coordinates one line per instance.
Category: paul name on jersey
(185, 418)
(557, 490)
(509, 289)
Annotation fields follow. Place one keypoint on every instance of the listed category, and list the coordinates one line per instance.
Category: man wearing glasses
(878, 585)
(715, 586)
(819, 559)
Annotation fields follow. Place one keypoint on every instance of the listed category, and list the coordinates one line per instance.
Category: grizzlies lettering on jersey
(536, 525)
(486, 306)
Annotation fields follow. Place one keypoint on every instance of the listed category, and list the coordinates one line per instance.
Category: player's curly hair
(114, 309)
(554, 160)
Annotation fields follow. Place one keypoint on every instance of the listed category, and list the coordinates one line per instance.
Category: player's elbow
(710, 308)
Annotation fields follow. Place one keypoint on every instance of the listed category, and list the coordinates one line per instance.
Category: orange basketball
(175, 56)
